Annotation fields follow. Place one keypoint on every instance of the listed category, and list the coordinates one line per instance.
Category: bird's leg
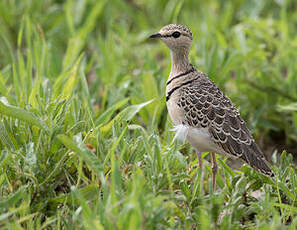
(214, 169)
(199, 159)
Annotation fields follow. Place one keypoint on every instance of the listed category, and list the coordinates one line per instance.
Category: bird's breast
(175, 112)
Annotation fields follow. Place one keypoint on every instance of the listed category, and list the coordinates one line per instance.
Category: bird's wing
(206, 106)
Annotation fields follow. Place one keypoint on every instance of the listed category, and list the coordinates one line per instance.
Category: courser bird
(201, 112)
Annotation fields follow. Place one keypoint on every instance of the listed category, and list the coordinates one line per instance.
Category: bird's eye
(176, 34)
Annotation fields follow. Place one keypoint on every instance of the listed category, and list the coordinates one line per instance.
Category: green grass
(85, 140)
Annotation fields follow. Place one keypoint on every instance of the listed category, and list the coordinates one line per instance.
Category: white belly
(199, 138)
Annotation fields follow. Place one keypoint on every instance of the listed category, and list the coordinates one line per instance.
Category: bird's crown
(176, 30)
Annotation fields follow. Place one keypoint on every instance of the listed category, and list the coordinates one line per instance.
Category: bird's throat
(179, 61)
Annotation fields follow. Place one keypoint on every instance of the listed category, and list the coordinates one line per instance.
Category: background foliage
(85, 139)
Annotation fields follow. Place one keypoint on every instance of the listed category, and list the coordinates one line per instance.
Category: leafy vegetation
(85, 141)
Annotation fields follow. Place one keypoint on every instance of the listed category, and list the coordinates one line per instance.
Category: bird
(200, 112)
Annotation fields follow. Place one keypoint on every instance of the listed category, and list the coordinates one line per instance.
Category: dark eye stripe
(170, 35)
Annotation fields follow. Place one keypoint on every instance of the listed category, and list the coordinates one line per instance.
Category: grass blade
(82, 151)
(23, 115)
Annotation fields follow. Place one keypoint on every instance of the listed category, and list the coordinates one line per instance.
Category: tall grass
(85, 141)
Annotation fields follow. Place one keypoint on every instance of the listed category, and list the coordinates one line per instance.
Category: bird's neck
(179, 62)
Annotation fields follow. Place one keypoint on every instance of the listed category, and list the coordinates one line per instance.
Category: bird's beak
(157, 35)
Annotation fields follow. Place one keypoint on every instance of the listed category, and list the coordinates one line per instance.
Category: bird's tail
(255, 158)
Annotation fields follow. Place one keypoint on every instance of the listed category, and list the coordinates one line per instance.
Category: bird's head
(176, 37)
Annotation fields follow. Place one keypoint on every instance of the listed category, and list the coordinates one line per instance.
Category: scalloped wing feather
(206, 106)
